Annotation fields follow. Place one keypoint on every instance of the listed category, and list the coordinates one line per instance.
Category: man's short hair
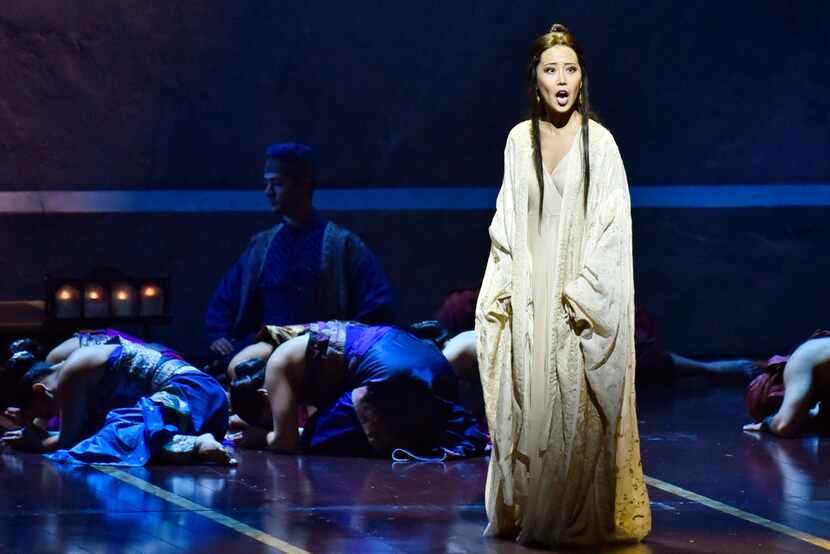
(296, 154)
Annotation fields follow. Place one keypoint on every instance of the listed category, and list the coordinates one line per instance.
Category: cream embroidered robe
(567, 470)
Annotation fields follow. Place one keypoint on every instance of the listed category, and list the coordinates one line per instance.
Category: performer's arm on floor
(70, 394)
(22, 433)
(283, 375)
(72, 402)
(81, 368)
(794, 414)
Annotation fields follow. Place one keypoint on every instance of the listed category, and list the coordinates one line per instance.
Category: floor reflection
(324, 504)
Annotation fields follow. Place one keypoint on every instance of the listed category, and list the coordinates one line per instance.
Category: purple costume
(408, 380)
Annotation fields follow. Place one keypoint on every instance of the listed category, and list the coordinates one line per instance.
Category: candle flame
(94, 295)
(150, 291)
(65, 294)
(122, 295)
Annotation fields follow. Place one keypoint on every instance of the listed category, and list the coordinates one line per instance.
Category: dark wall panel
(721, 282)
(134, 94)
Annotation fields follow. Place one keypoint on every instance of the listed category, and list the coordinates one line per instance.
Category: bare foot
(747, 368)
(209, 449)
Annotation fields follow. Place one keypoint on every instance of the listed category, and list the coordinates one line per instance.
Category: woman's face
(558, 77)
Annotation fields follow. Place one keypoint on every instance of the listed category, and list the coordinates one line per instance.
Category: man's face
(285, 189)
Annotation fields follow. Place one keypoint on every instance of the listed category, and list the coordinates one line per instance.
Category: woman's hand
(28, 438)
(18, 416)
(578, 326)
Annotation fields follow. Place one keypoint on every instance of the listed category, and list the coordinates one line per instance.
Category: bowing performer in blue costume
(122, 404)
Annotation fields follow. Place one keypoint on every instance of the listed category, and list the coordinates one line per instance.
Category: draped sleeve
(494, 309)
(600, 298)
(494, 349)
(600, 302)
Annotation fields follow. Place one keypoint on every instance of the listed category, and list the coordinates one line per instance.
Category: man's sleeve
(371, 298)
(224, 304)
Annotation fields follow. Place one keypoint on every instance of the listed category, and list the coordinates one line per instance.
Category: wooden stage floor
(713, 489)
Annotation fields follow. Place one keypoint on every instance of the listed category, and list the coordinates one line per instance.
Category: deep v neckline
(565, 157)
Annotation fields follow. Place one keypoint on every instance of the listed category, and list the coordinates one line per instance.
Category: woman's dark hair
(246, 401)
(559, 35)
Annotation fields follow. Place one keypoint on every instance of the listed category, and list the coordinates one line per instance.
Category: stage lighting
(152, 300)
(96, 301)
(67, 302)
(108, 297)
(123, 300)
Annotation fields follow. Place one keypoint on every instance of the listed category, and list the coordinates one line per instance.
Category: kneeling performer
(122, 404)
(375, 391)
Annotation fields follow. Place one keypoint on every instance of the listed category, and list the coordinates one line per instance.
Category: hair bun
(558, 28)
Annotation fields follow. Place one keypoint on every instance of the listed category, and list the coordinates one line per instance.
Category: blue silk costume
(290, 275)
(408, 380)
(147, 402)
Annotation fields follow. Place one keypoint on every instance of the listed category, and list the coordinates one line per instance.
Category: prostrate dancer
(792, 397)
(121, 404)
(27, 352)
(376, 390)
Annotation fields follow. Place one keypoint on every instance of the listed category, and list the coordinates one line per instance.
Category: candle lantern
(67, 302)
(123, 300)
(96, 303)
(152, 300)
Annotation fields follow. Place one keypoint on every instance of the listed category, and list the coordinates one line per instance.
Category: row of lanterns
(119, 299)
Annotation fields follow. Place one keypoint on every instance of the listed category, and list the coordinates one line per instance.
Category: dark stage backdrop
(185, 95)
(150, 93)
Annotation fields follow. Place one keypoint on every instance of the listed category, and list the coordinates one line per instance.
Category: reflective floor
(691, 440)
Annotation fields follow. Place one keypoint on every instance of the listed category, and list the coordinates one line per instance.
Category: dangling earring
(538, 98)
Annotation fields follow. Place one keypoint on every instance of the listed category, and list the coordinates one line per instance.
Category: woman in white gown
(555, 323)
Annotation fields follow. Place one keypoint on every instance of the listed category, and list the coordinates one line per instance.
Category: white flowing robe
(566, 470)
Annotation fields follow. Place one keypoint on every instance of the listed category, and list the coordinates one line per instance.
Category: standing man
(303, 269)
